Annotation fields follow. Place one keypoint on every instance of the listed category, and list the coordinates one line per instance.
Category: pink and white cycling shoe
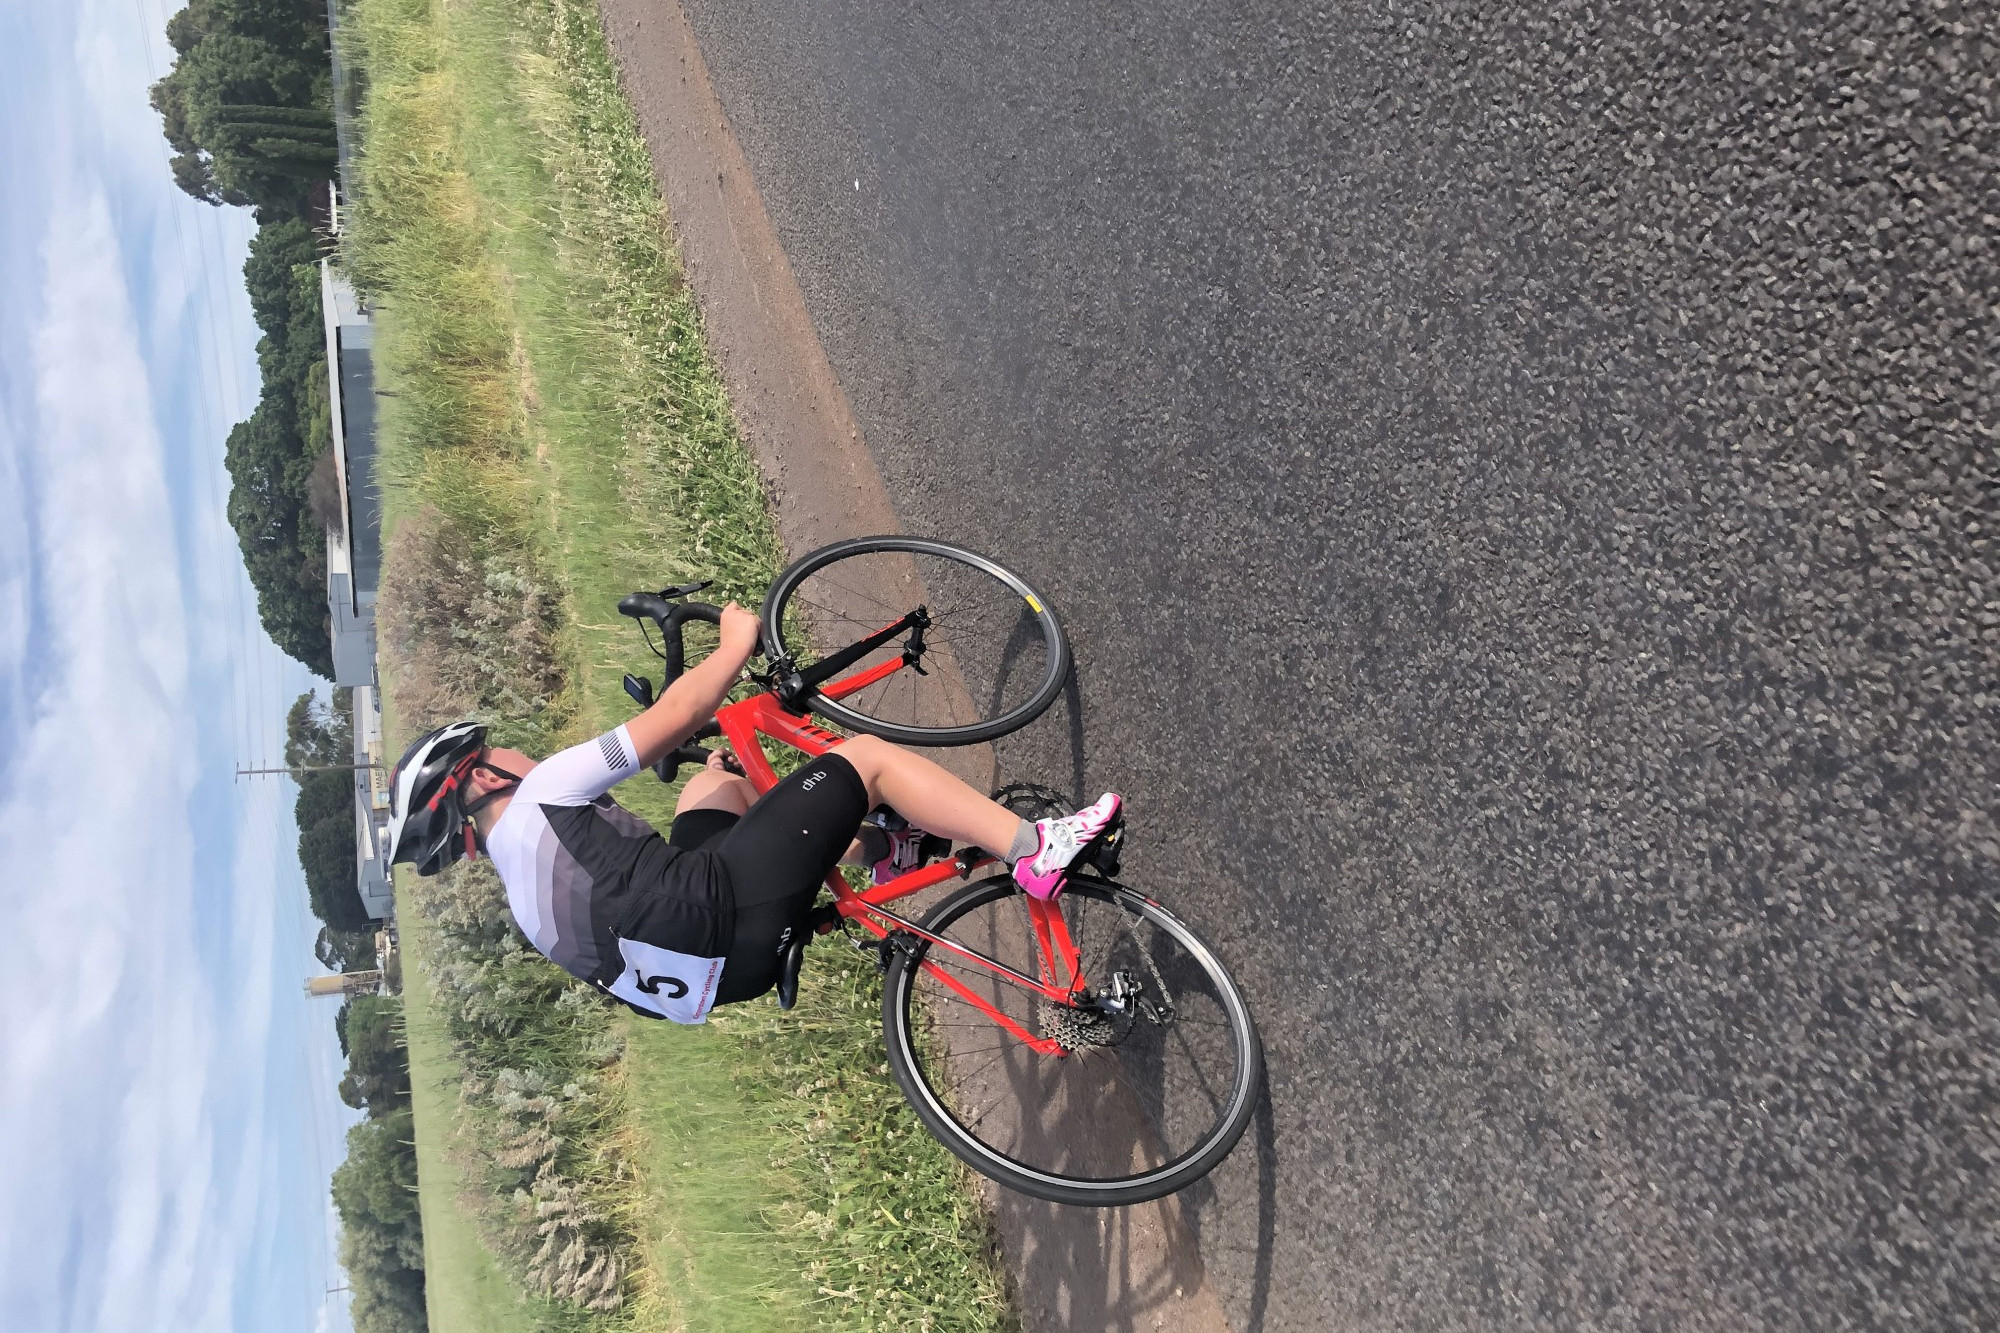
(909, 849)
(1063, 840)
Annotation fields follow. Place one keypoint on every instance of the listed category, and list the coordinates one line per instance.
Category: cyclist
(675, 925)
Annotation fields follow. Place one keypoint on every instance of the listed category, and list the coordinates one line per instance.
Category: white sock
(1027, 841)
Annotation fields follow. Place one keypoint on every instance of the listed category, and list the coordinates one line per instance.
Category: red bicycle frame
(1061, 971)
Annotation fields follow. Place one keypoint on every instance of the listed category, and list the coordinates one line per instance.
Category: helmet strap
(513, 781)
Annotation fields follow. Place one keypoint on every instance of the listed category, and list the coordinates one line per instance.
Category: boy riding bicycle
(675, 925)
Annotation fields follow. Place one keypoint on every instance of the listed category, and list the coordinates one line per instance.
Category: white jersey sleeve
(582, 773)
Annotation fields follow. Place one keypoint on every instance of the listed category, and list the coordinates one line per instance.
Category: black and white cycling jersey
(584, 875)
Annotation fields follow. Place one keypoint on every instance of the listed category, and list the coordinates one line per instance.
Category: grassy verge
(555, 436)
(464, 1286)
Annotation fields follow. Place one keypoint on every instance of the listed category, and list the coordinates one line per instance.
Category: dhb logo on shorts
(678, 986)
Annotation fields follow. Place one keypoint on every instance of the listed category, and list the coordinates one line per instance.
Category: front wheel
(1158, 1068)
(989, 657)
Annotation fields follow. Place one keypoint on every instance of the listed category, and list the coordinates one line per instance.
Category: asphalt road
(1522, 479)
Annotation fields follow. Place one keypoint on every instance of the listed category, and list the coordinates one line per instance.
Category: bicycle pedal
(1103, 853)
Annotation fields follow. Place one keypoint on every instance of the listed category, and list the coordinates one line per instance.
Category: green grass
(464, 1288)
(553, 394)
(871, 1223)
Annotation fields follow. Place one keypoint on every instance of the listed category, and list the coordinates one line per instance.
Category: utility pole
(296, 769)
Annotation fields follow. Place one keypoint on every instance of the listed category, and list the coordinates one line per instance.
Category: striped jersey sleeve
(582, 773)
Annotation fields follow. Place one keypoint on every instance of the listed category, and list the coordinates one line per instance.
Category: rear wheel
(1160, 1067)
(990, 659)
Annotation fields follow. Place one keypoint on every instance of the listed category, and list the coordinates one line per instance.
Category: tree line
(248, 110)
(375, 1189)
(248, 105)
(321, 731)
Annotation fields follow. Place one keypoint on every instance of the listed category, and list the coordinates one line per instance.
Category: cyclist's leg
(777, 856)
(716, 788)
(932, 799)
(778, 853)
(928, 796)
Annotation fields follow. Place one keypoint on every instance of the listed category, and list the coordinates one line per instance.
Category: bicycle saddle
(822, 920)
(790, 959)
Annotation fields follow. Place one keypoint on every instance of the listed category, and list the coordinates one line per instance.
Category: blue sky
(168, 1119)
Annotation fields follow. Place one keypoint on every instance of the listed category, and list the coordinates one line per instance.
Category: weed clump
(540, 1096)
(468, 629)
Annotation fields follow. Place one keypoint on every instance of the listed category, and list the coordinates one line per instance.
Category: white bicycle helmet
(430, 824)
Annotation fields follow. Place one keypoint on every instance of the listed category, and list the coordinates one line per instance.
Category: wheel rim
(995, 654)
(1135, 1101)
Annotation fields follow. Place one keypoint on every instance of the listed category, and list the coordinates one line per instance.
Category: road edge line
(825, 486)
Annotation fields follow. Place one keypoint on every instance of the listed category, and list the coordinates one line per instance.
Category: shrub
(468, 629)
(381, 1234)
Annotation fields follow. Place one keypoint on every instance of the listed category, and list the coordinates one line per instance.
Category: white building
(354, 552)
(371, 807)
(353, 567)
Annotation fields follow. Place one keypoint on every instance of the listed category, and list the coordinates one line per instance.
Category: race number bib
(678, 986)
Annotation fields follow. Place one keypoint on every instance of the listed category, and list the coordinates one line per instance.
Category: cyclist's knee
(866, 754)
(713, 789)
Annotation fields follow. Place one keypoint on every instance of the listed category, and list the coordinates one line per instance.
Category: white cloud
(105, 1016)
(168, 1125)
(15, 603)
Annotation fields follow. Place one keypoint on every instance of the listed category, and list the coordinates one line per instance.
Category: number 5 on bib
(677, 986)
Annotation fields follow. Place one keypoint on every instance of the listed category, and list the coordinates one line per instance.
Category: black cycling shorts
(777, 856)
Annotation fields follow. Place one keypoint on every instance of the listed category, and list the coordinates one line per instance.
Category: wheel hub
(1079, 1029)
(1103, 1020)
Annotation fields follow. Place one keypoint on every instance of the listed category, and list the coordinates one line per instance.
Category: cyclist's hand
(740, 632)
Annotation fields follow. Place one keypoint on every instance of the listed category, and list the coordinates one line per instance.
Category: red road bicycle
(1091, 1050)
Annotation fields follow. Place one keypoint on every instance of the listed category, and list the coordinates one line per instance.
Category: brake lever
(669, 766)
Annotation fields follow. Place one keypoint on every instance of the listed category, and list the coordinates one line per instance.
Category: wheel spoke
(994, 660)
(1131, 1101)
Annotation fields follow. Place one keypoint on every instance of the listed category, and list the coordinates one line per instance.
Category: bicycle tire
(788, 608)
(905, 1038)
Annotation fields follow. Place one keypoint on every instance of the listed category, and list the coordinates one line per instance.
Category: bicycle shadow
(1123, 1270)
(1026, 635)
(1098, 1113)
(1142, 1268)
(1205, 1200)
(1136, 1268)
